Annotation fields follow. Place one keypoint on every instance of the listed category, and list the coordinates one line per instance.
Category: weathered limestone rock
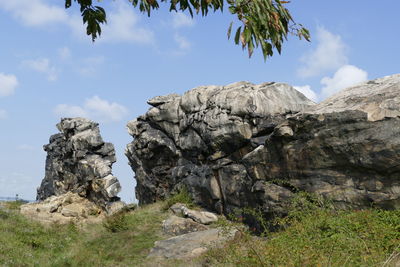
(199, 216)
(79, 161)
(246, 145)
(175, 225)
(203, 217)
(62, 209)
(190, 245)
(177, 209)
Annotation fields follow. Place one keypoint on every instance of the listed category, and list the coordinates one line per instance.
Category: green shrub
(182, 196)
(116, 223)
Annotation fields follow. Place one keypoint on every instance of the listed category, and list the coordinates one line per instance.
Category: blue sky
(50, 69)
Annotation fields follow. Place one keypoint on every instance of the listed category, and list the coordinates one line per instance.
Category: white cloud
(3, 114)
(123, 26)
(344, 77)
(180, 20)
(65, 110)
(329, 54)
(94, 108)
(42, 65)
(35, 12)
(64, 53)
(123, 23)
(306, 90)
(182, 42)
(8, 83)
(89, 65)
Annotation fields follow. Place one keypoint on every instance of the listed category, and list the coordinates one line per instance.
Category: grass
(313, 234)
(13, 205)
(181, 197)
(318, 235)
(26, 243)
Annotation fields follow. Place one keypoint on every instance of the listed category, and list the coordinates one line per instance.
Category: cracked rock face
(246, 145)
(79, 161)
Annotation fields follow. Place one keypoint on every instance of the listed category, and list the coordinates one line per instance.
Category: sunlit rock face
(79, 161)
(246, 145)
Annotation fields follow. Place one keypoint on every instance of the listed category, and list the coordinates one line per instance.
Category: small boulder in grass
(177, 209)
(203, 217)
(175, 225)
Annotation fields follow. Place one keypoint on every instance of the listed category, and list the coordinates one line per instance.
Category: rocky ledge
(246, 145)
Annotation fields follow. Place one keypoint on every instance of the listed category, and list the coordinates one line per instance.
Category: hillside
(314, 234)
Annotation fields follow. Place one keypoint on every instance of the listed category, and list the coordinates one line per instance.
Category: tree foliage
(263, 23)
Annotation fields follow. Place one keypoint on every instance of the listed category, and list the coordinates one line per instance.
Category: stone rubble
(63, 209)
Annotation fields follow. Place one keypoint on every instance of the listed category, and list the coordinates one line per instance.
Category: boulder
(199, 216)
(177, 209)
(190, 245)
(175, 225)
(203, 217)
(79, 161)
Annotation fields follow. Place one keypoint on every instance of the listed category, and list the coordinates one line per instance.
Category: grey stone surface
(177, 209)
(203, 217)
(79, 161)
(246, 145)
(175, 225)
(378, 98)
(190, 245)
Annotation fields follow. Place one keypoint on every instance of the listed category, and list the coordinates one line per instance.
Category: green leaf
(237, 35)
(265, 23)
(67, 3)
(230, 30)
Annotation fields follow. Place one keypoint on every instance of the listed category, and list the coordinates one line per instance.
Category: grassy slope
(319, 235)
(125, 241)
(316, 236)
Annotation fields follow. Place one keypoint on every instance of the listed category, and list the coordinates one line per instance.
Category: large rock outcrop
(79, 161)
(199, 140)
(246, 145)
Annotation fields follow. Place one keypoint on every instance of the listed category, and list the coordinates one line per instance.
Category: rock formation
(246, 145)
(79, 161)
(199, 140)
